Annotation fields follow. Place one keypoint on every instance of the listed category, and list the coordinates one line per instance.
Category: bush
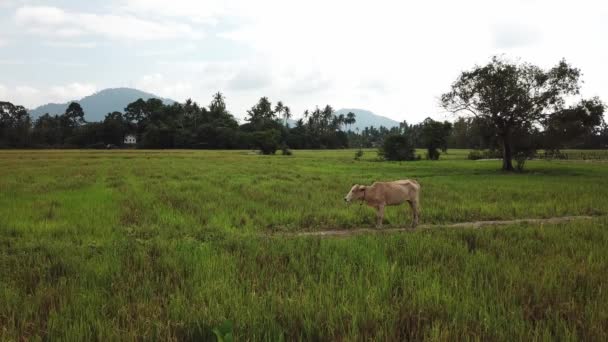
(433, 154)
(553, 154)
(266, 141)
(397, 147)
(285, 150)
(521, 157)
(358, 154)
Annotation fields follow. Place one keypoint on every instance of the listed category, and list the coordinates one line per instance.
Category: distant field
(164, 245)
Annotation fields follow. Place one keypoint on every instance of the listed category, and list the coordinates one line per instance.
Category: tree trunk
(507, 153)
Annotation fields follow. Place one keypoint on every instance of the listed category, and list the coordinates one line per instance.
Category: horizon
(392, 59)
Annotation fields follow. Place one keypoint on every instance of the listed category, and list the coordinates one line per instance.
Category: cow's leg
(415, 212)
(379, 216)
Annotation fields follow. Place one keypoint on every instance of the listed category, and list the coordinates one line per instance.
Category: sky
(394, 58)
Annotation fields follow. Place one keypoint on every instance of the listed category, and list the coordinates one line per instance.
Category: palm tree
(341, 121)
(286, 114)
(350, 119)
(279, 108)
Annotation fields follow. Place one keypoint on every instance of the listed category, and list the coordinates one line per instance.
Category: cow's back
(396, 192)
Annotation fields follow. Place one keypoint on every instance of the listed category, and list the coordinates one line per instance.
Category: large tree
(512, 96)
(74, 115)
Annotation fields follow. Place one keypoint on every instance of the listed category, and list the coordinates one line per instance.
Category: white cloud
(303, 83)
(53, 21)
(159, 85)
(200, 11)
(392, 57)
(19, 95)
(80, 45)
(41, 15)
(406, 54)
(3, 92)
(72, 91)
(31, 97)
(250, 78)
(26, 90)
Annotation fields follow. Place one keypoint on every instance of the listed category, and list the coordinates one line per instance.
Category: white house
(130, 139)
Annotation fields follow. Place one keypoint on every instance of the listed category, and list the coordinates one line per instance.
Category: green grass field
(168, 245)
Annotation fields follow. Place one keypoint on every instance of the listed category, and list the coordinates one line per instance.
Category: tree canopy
(512, 97)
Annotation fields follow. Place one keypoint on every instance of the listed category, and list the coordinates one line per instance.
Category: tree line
(189, 125)
(511, 108)
(177, 125)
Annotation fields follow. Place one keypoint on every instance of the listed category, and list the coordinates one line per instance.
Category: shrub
(266, 141)
(285, 150)
(521, 157)
(433, 154)
(397, 147)
(358, 154)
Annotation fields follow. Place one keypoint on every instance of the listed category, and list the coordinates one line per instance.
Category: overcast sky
(394, 58)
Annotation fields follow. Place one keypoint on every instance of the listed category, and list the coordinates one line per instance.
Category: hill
(96, 106)
(366, 118)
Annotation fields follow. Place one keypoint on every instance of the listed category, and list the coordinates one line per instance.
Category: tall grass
(159, 245)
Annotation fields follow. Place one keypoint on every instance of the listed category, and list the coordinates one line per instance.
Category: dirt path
(474, 224)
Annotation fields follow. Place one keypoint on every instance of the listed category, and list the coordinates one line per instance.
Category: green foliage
(575, 125)
(15, 125)
(320, 128)
(262, 116)
(435, 136)
(397, 147)
(267, 141)
(285, 150)
(512, 96)
(224, 333)
(73, 116)
(358, 154)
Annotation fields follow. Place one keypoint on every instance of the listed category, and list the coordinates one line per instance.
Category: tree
(72, 118)
(286, 114)
(267, 141)
(15, 125)
(217, 107)
(136, 112)
(350, 119)
(115, 127)
(435, 136)
(574, 126)
(74, 115)
(278, 109)
(397, 147)
(511, 96)
(47, 130)
(262, 116)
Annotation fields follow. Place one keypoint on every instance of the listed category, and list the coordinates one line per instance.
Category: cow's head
(357, 192)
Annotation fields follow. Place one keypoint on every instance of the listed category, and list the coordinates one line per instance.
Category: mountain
(96, 106)
(365, 118)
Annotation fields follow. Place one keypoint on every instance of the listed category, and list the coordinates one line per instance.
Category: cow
(380, 194)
